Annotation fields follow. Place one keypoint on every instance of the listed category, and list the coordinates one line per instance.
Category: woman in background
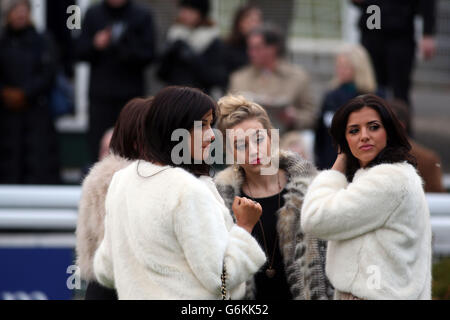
(371, 207)
(354, 75)
(245, 19)
(194, 53)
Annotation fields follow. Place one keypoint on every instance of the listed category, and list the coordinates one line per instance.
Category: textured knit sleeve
(207, 243)
(333, 209)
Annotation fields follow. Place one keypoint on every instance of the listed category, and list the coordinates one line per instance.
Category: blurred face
(344, 69)
(249, 21)
(259, 52)
(19, 17)
(201, 138)
(104, 145)
(365, 135)
(116, 3)
(251, 149)
(189, 17)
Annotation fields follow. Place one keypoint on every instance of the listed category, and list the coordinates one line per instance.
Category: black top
(397, 16)
(275, 288)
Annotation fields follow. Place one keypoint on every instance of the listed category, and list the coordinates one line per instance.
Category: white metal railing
(34, 208)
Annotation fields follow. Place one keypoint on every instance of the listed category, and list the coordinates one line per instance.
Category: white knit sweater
(166, 237)
(379, 231)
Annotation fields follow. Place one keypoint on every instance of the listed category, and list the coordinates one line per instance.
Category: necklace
(270, 271)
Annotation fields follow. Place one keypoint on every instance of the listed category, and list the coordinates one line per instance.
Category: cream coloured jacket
(379, 232)
(167, 235)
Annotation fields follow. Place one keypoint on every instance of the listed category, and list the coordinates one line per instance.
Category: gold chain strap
(223, 288)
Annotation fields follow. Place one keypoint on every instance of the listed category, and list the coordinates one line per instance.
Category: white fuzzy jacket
(379, 231)
(167, 236)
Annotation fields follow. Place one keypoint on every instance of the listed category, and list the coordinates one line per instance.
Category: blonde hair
(234, 109)
(364, 77)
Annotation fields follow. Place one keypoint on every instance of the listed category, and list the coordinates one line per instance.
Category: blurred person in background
(118, 40)
(28, 143)
(104, 144)
(90, 224)
(393, 47)
(353, 76)
(281, 87)
(194, 52)
(428, 161)
(246, 18)
(295, 142)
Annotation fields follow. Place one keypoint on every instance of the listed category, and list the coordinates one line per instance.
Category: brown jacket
(287, 86)
(429, 167)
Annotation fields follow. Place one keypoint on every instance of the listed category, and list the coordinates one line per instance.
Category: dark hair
(174, 108)
(272, 35)
(236, 37)
(127, 134)
(202, 6)
(397, 146)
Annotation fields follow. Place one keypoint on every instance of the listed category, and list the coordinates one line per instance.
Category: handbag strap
(223, 288)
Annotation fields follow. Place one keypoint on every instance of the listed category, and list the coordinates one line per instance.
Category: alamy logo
(374, 21)
(374, 280)
(242, 147)
(74, 20)
(74, 280)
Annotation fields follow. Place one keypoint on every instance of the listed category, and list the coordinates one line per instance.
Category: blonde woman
(295, 261)
(354, 75)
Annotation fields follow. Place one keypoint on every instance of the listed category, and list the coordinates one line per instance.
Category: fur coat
(91, 212)
(168, 235)
(379, 232)
(303, 255)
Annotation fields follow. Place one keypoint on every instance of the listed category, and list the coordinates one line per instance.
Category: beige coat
(91, 212)
(288, 86)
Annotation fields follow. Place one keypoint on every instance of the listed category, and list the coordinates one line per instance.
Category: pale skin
(366, 138)
(256, 147)
(246, 212)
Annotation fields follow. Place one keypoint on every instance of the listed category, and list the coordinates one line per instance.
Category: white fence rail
(55, 208)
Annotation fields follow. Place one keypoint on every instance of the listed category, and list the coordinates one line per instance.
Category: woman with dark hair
(91, 213)
(168, 233)
(245, 20)
(372, 208)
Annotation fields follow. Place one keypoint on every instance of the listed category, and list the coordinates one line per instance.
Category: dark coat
(181, 64)
(324, 152)
(118, 71)
(28, 141)
(397, 16)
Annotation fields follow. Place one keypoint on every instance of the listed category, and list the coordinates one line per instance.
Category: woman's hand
(341, 163)
(247, 213)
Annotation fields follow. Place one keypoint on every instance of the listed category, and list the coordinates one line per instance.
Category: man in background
(279, 86)
(118, 40)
